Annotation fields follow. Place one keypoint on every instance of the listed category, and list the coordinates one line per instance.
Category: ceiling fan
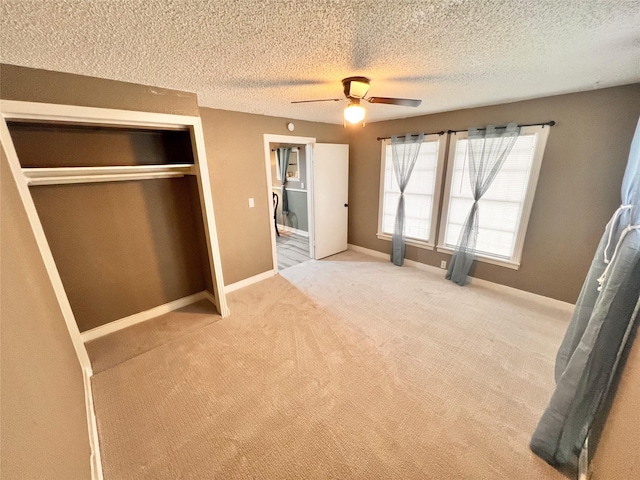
(355, 89)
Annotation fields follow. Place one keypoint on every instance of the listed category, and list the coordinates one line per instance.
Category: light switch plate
(251, 203)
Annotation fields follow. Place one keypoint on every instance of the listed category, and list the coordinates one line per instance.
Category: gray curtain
(488, 149)
(404, 153)
(283, 155)
(599, 328)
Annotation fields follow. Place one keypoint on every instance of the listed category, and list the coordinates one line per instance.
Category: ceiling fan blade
(324, 100)
(403, 102)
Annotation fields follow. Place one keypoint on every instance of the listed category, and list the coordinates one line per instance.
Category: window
(421, 195)
(294, 165)
(293, 169)
(504, 209)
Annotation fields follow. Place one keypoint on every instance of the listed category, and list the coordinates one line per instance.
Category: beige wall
(235, 150)
(618, 453)
(34, 85)
(578, 189)
(122, 247)
(43, 431)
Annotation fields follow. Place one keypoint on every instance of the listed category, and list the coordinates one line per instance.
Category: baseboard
(540, 299)
(249, 281)
(285, 228)
(92, 425)
(368, 251)
(210, 296)
(140, 317)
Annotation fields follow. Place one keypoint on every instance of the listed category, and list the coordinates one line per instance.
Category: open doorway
(292, 227)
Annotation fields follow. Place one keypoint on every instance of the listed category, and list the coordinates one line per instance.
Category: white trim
(54, 277)
(308, 143)
(311, 205)
(540, 299)
(368, 251)
(408, 241)
(249, 281)
(542, 133)
(437, 189)
(60, 180)
(484, 258)
(275, 187)
(92, 423)
(208, 217)
(43, 245)
(285, 228)
(209, 296)
(140, 317)
(13, 109)
(64, 175)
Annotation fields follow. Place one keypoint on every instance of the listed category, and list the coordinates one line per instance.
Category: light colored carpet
(344, 368)
(107, 352)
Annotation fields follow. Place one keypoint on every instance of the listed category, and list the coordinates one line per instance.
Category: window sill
(409, 241)
(482, 258)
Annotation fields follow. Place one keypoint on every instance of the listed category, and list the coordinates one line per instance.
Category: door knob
(346, 204)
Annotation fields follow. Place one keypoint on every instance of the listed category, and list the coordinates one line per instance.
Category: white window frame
(514, 262)
(431, 241)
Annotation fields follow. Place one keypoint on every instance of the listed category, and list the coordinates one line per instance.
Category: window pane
(418, 193)
(501, 206)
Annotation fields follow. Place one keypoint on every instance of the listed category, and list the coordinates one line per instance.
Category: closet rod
(64, 180)
(110, 173)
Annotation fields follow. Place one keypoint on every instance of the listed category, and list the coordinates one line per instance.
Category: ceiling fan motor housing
(356, 87)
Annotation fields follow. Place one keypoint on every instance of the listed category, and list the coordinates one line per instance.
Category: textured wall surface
(578, 189)
(256, 56)
(44, 425)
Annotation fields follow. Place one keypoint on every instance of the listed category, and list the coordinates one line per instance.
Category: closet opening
(121, 208)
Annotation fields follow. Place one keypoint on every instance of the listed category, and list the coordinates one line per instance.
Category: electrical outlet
(251, 203)
(443, 264)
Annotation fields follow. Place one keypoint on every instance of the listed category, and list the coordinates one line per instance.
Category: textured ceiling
(258, 56)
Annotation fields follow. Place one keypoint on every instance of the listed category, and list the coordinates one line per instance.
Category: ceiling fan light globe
(354, 114)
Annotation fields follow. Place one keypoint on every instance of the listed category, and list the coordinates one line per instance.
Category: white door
(330, 198)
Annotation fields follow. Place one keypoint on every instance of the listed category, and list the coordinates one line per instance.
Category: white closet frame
(44, 112)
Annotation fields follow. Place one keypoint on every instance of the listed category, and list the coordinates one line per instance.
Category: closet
(121, 207)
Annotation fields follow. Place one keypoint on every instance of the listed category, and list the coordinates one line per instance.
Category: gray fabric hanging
(488, 149)
(404, 153)
(283, 155)
(599, 328)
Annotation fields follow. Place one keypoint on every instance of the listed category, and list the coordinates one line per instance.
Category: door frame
(308, 143)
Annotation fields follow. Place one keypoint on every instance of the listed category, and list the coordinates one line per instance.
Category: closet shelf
(64, 175)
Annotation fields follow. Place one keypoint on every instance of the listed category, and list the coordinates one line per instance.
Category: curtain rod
(441, 132)
(550, 124)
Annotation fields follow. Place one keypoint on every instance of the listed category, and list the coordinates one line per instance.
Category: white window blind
(419, 194)
(502, 208)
